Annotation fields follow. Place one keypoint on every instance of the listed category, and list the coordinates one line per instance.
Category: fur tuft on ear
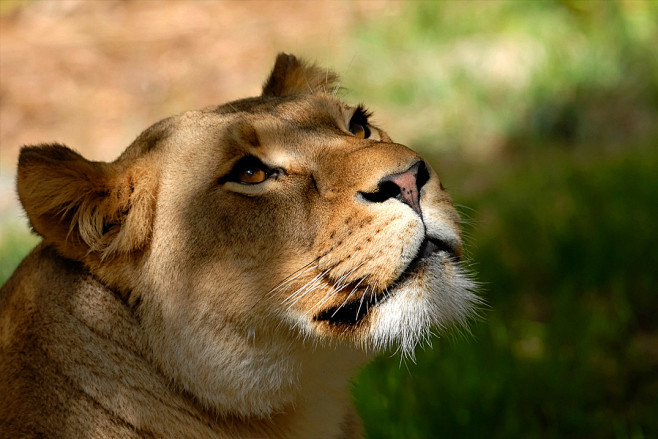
(292, 76)
(83, 207)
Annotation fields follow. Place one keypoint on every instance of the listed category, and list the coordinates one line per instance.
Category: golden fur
(227, 274)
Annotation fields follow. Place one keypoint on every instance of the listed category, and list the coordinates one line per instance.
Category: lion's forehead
(288, 119)
(295, 133)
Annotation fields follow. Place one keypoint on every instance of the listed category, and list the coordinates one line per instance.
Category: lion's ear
(292, 76)
(83, 207)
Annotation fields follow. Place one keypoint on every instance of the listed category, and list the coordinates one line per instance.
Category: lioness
(227, 274)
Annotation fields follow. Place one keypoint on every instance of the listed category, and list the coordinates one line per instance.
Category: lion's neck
(302, 389)
(250, 383)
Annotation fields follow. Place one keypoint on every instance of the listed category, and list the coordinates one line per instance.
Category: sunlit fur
(171, 299)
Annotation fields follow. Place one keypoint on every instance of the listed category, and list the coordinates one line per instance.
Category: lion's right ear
(86, 208)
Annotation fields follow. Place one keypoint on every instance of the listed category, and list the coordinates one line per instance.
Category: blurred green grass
(541, 118)
(15, 243)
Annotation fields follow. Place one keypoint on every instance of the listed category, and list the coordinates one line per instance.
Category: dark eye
(359, 123)
(249, 170)
(359, 131)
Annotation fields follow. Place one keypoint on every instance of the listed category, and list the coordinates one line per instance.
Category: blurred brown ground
(94, 74)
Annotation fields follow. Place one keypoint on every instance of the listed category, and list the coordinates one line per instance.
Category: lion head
(260, 236)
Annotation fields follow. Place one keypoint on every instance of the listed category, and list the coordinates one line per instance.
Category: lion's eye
(249, 170)
(252, 176)
(359, 123)
(358, 130)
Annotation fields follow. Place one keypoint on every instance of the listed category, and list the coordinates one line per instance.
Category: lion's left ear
(292, 76)
(86, 209)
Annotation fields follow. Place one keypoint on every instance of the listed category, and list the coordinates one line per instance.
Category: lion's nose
(404, 186)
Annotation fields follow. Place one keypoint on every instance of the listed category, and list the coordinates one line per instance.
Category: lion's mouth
(354, 312)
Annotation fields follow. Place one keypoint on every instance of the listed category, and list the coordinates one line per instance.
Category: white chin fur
(442, 297)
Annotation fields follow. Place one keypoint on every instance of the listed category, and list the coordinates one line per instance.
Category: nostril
(385, 190)
(423, 175)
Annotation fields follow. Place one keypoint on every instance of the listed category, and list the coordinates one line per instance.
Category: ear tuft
(136, 195)
(292, 76)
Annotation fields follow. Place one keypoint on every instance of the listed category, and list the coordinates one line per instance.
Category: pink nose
(408, 184)
(404, 186)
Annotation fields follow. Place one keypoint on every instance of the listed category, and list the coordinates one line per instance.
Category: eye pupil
(358, 125)
(358, 130)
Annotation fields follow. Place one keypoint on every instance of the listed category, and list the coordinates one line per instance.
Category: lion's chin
(434, 292)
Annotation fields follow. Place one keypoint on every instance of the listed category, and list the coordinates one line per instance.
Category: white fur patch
(443, 296)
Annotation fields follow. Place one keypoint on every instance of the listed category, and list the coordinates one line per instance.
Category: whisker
(338, 285)
(304, 289)
(290, 280)
(347, 299)
(292, 276)
(344, 262)
(328, 296)
(304, 266)
(346, 275)
(358, 311)
(334, 291)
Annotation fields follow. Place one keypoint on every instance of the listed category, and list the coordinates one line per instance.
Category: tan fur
(169, 300)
